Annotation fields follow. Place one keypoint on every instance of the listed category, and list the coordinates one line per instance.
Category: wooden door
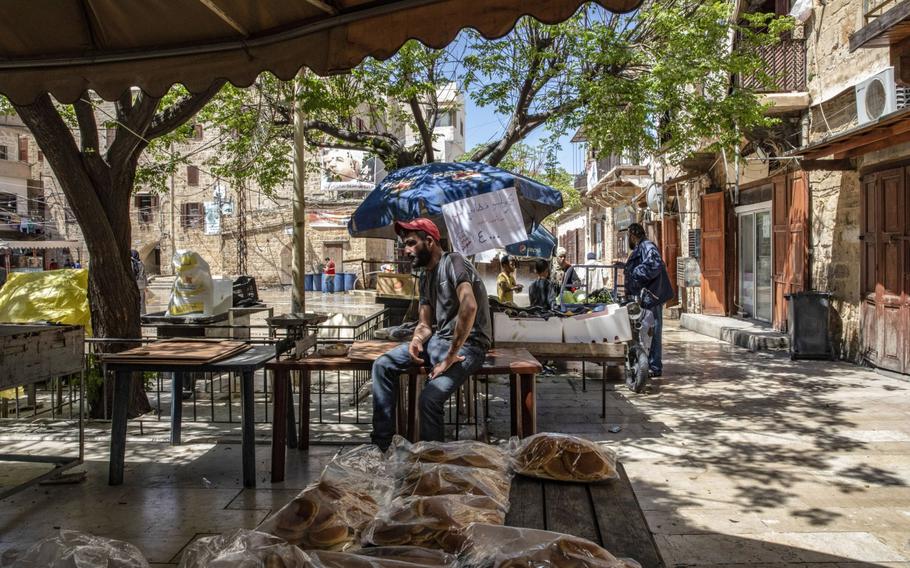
(670, 251)
(713, 254)
(885, 261)
(790, 229)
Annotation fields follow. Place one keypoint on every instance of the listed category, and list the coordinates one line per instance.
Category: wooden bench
(521, 367)
(605, 513)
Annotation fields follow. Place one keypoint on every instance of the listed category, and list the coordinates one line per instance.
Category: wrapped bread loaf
(243, 548)
(323, 516)
(429, 479)
(329, 559)
(564, 458)
(493, 546)
(362, 469)
(468, 453)
(412, 554)
(433, 522)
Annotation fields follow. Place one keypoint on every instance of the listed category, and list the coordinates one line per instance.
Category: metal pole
(298, 246)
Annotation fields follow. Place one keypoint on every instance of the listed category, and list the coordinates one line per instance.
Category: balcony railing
(785, 62)
(875, 8)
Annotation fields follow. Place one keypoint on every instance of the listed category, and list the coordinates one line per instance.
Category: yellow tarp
(58, 296)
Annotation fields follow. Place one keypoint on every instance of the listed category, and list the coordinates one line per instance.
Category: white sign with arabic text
(484, 222)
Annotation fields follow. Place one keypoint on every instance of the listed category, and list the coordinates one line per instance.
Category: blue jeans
(389, 367)
(654, 357)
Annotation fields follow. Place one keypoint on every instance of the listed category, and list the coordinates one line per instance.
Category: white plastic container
(222, 295)
(609, 326)
(536, 330)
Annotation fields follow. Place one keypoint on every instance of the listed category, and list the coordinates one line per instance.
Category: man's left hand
(443, 366)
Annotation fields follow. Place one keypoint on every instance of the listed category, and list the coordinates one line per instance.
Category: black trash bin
(807, 315)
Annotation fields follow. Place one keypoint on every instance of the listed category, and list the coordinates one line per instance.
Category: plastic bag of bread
(494, 546)
(563, 457)
(433, 522)
(362, 469)
(75, 549)
(469, 453)
(428, 479)
(329, 559)
(416, 555)
(324, 516)
(243, 549)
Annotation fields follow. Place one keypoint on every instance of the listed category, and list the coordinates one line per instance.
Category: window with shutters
(192, 175)
(191, 215)
(40, 156)
(4, 152)
(23, 149)
(8, 202)
(146, 208)
(197, 132)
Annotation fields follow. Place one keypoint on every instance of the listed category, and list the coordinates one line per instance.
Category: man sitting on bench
(453, 297)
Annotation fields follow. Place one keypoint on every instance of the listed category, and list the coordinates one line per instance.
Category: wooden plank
(623, 529)
(526, 500)
(579, 350)
(827, 165)
(879, 25)
(569, 510)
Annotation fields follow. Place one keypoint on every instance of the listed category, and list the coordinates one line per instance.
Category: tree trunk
(99, 198)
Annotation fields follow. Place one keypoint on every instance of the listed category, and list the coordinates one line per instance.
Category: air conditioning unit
(877, 96)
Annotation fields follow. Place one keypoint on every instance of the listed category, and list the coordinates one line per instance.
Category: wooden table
(603, 354)
(605, 513)
(521, 367)
(245, 364)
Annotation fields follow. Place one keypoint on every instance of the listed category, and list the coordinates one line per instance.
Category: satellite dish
(656, 198)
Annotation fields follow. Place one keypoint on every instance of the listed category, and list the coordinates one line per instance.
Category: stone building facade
(242, 230)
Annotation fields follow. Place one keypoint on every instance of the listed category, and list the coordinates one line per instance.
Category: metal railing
(338, 398)
(874, 8)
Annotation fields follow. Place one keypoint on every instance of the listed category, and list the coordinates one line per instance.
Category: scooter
(639, 348)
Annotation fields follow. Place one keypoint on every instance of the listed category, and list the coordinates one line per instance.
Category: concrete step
(754, 336)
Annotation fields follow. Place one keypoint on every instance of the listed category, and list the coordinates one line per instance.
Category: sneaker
(655, 374)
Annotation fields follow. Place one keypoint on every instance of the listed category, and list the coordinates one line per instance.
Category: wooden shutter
(713, 254)
(669, 252)
(192, 175)
(23, 149)
(790, 240)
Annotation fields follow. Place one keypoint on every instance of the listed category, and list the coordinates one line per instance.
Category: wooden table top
(499, 360)
(579, 351)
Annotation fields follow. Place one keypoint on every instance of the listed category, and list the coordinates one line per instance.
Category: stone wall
(835, 252)
(831, 67)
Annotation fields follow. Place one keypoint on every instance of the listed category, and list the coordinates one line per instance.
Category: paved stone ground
(738, 459)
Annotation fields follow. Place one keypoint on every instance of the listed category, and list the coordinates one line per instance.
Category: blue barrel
(317, 282)
(339, 283)
(308, 282)
(349, 279)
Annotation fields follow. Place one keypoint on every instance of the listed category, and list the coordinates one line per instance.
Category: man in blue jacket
(645, 269)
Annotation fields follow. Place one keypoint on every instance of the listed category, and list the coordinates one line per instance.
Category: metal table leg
(121, 403)
(248, 440)
(176, 407)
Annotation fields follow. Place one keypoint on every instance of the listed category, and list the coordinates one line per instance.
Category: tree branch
(426, 136)
(176, 115)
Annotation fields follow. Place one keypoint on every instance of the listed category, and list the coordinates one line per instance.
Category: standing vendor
(565, 273)
(505, 282)
(454, 299)
(646, 270)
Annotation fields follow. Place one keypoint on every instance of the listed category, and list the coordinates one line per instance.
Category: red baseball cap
(419, 224)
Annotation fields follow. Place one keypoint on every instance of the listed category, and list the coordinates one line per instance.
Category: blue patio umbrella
(421, 191)
(541, 244)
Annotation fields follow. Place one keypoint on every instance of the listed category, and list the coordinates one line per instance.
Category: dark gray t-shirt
(438, 289)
